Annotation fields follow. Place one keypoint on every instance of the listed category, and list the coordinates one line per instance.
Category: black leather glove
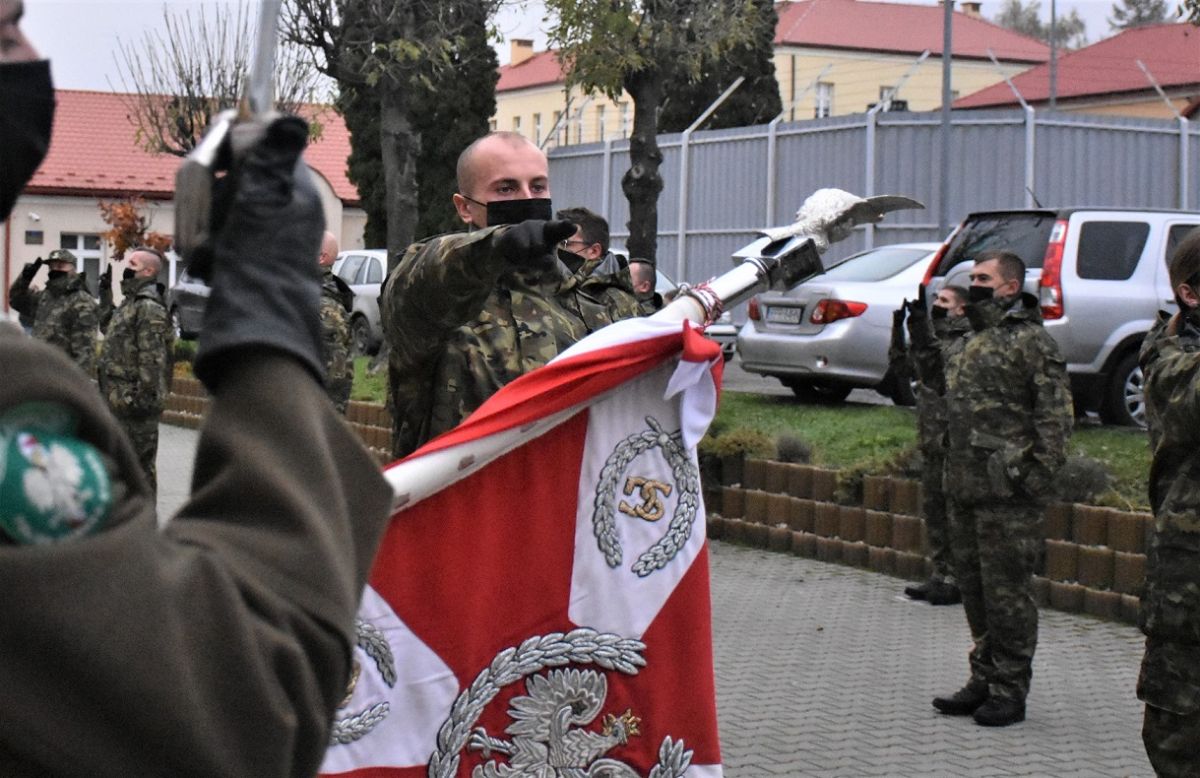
(106, 277)
(898, 316)
(30, 270)
(532, 244)
(921, 299)
(266, 285)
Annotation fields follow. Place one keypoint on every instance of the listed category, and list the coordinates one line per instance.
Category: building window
(34, 237)
(516, 124)
(558, 129)
(624, 109)
(537, 128)
(86, 249)
(492, 125)
(600, 129)
(824, 100)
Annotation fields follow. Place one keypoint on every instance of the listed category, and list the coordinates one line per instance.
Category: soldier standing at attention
(1169, 683)
(135, 359)
(336, 300)
(936, 334)
(64, 313)
(466, 313)
(1009, 415)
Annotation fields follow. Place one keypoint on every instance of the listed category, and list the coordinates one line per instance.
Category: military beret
(62, 255)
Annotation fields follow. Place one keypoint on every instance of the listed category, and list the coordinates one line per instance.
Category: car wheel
(360, 336)
(1124, 400)
(813, 392)
(905, 392)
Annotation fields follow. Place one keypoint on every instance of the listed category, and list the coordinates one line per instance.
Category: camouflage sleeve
(1053, 411)
(1172, 373)
(23, 300)
(929, 362)
(152, 337)
(84, 327)
(339, 369)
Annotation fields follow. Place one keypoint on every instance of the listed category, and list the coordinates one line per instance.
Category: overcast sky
(80, 36)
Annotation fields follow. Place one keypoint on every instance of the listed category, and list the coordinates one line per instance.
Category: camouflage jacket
(335, 339)
(1170, 607)
(934, 341)
(64, 314)
(1008, 405)
(461, 325)
(136, 358)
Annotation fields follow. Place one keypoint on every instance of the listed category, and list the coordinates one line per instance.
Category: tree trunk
(399, 144)
(642, 183)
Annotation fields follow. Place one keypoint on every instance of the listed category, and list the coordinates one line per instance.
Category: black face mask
(516, 211)
(128, 274)
(978, 294)
(26, 119)
(54, 275)
(938, 312)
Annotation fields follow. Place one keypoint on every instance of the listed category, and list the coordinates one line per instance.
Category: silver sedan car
(830, 334)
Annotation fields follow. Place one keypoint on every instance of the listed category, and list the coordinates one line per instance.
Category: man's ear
(463, 207)
(1188, 295)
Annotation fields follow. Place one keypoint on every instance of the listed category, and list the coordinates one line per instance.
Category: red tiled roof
(898, 28)
(93, 152)
(1171, 52)
(857, 25)
(539, 70)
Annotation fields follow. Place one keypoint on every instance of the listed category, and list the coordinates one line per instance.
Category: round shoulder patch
(53, 486)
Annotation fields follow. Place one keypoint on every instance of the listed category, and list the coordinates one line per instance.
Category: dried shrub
(792, 448)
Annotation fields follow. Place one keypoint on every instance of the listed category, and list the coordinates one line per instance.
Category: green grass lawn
(367, 387)
(872, 436)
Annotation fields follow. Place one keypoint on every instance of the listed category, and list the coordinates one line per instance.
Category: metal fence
(722, 186)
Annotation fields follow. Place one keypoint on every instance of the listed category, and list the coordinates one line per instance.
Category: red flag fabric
(540, 605)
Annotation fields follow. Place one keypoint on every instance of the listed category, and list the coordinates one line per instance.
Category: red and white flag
(539, 605)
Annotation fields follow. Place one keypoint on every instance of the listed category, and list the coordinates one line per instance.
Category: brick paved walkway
(824, 670)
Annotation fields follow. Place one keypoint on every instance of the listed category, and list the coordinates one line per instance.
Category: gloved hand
(106, 277)
(532, 244)
(30, 270)
(898, 315)
(266, 284)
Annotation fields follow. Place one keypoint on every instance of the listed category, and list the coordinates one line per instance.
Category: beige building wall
(1145, 107)
(854, 80)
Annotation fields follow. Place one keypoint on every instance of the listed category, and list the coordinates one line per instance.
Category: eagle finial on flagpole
(829, 215)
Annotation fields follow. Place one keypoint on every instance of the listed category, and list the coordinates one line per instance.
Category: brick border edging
(1094, 557)
(188, 402)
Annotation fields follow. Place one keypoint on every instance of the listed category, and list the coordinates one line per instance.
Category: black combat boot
(963, 702)
(1000, 712)
(943, 593)
(918, 591)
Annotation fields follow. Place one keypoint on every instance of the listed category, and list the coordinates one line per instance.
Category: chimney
(971, 8)
(520, 49)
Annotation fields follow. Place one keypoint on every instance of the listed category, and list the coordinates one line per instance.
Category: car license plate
(784, 315)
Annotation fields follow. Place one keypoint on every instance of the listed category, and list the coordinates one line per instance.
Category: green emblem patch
(53, 486)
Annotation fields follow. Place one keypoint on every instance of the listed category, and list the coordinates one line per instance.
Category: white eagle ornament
(829, 215)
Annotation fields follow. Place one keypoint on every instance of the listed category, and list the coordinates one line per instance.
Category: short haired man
(935, 334)
(643, 276)
(1009, 416)
(466, 313)
(135, 358)
(1169, 682)
(64, 312)
(337, 299)
(591, 239)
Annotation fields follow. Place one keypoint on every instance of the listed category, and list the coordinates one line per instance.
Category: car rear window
(1024, 234)
(1109, 251)
(875, 265)
(1175, 236)
(374, 271)
(349, 268)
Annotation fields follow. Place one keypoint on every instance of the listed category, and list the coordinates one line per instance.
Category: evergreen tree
(756, 101)
(1025, 18)
(448, 115)
(1127, 14)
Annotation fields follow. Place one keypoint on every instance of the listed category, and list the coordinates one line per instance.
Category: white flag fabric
(540, 603)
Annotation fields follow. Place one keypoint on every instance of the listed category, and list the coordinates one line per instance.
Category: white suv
(364, 270)
(1101, 276)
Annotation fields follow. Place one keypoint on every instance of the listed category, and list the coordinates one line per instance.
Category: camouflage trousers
(1169, 684)
(1172, 742)
(933, 506)
(996, 549)
(143, 434)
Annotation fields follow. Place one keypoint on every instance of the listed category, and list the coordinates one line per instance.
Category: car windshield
(875, 265)
(1024, 234)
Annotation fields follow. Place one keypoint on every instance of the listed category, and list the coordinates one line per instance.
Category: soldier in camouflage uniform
(466, 313)
(337, 299)
(1169, 683)
(64, 313)
(1009, 415)
(136, 357)
(942, 330)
